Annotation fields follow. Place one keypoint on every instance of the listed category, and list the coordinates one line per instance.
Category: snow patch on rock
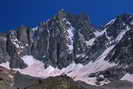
(100, 33)
(29, 60)
(111, 22)
(122, 33)
(6, 65)
(128, 77)
(90, 42)
(76, 71)
(34, 29)
(69, 35)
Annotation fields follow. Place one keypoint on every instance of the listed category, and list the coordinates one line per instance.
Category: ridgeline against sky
(31, 12)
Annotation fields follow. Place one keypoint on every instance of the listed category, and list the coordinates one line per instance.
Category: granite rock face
(67, 38)
(56, 42)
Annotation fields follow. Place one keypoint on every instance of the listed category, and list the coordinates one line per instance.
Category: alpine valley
(68, 52)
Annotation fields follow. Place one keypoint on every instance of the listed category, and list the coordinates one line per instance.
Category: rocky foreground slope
(19, 81)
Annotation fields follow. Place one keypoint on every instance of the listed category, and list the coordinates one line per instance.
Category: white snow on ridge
(110, 22)
(119, 37)
(128, 77)
(99, 33)
(35, 29)
(122, 33)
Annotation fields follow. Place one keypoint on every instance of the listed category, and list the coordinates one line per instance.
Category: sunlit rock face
(60, 41)
(69, 44)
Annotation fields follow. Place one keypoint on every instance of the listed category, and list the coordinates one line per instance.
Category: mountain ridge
(69, 44)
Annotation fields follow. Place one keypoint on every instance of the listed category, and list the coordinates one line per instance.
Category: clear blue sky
(31, 12)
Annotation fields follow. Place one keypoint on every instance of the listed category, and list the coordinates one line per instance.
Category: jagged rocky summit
(70, 44)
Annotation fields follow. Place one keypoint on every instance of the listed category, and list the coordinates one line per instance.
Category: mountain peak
(121, 20)
(62, 13)
(62, 10)
(125, 15)
(125, 18)
(69, 44)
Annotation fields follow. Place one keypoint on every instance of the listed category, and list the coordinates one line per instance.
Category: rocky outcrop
(58, 42)
(67, 38)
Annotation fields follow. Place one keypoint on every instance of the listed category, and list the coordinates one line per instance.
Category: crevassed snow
(90, 42)
(128, 77)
